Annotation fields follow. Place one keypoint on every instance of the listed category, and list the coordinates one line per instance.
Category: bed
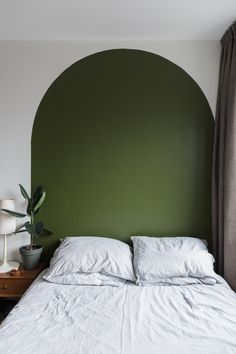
(128, 319)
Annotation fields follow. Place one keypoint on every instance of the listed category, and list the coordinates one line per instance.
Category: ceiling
(115, 19)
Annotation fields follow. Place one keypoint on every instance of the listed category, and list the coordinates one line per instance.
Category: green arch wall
(122, 142)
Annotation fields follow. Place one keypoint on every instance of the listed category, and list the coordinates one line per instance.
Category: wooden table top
(25, 274)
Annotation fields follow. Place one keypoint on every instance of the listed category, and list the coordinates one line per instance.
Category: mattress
(129, 319)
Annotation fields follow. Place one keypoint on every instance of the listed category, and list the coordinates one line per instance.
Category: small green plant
(34, 204)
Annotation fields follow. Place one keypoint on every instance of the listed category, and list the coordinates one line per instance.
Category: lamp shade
(7, 222)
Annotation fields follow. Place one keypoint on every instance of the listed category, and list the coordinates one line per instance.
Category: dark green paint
(122, 142)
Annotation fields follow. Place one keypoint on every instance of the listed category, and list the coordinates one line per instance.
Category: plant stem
(31, 236)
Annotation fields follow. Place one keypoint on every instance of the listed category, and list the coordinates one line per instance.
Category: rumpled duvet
(73, 319)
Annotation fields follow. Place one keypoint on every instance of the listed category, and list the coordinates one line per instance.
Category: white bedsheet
(69, 319)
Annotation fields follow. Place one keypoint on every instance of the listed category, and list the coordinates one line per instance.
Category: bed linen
(189, 258)
(128, 319)
(83, 260)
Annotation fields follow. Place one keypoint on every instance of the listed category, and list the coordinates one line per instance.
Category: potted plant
(31, 254)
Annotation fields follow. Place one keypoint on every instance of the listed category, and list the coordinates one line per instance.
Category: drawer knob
(5, 287)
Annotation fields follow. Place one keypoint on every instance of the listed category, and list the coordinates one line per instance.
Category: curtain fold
(224, 163)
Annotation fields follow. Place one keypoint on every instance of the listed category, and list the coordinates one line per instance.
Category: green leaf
(14, 213)
(47, 232)
(37, 196)
(29, 209)
(40, 202)
(24, 193)
(30, 228)
(19, 227)
(36, 212)
(39, 228)
(19, 231)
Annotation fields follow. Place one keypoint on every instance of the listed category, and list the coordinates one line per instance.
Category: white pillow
(159, 259)
(108, 260)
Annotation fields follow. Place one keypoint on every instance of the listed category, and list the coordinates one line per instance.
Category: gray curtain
(224, 163)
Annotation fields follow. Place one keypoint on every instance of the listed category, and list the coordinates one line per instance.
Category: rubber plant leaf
(39, 228)
(37, 194)
(47, 232)
(30, 229)
(35, 212)
(19, 228)
(29, 208)
(40, 202)
(24, 193)
(14, 213)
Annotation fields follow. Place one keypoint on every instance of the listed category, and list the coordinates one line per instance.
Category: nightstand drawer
(14, 287)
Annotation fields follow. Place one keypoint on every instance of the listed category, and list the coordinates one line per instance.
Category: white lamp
(7, 226)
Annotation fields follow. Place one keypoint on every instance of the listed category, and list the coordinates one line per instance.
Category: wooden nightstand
(16, 285)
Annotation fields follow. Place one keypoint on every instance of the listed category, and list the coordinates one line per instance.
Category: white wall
(28, 68)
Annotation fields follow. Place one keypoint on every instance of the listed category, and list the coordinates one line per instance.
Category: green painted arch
(122, 142)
